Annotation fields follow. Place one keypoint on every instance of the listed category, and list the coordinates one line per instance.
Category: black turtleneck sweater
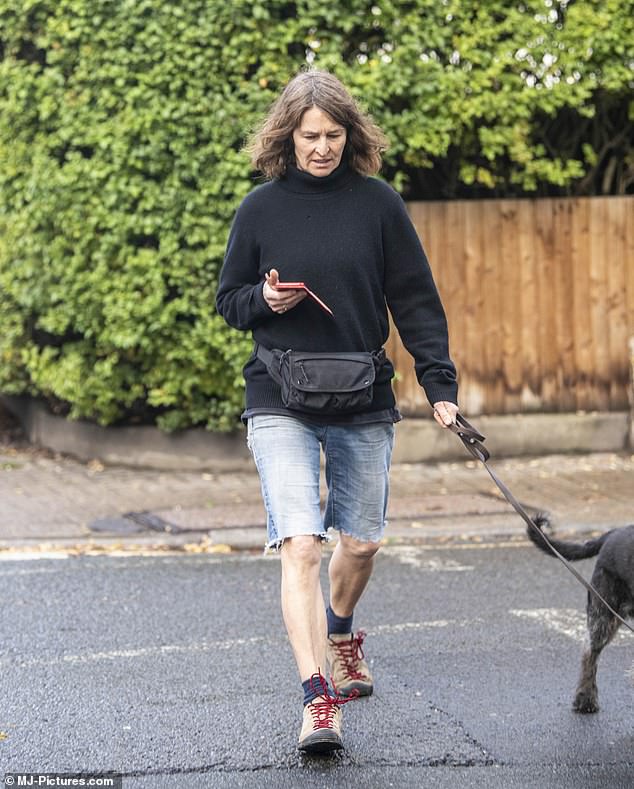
(350, 239)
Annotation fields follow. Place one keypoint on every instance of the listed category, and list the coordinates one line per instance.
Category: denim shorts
(286, 451)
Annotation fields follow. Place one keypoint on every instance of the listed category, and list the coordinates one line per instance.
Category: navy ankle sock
(338, 625)
(311, 691)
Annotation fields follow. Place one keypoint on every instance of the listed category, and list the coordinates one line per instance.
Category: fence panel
(539, 297)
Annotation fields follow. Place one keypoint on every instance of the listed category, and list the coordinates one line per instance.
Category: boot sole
(321, 744)
(363, 690)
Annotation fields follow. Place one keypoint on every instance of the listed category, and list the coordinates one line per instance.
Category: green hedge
(121, 125)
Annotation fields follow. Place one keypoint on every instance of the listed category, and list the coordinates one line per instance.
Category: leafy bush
(121, 127)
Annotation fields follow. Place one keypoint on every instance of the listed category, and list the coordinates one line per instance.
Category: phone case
(309, 292)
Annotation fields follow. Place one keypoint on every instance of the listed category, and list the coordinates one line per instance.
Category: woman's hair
(271, 145)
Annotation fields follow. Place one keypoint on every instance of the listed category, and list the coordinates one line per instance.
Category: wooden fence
(539, 297)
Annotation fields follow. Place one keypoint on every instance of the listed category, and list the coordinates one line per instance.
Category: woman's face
(319, 142)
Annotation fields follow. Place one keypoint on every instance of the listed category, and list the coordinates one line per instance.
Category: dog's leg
(602, 626)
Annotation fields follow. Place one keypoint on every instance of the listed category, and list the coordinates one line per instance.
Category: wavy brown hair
(271, 144)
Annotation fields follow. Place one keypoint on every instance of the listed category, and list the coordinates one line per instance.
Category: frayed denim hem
(274, 546)
(362, 538)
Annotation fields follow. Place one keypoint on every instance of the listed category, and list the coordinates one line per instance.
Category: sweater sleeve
(239, 298)
(415, 304)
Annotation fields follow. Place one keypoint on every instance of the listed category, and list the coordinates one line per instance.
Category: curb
(120, 548)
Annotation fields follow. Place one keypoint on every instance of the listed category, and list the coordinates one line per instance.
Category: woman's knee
(363, 551)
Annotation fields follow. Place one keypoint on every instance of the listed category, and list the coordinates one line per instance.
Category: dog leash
(472, 440)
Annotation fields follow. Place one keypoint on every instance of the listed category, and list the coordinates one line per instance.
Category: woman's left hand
(280, 301)
(445, 413)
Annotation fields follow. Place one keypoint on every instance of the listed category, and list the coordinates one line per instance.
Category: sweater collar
(299, 181)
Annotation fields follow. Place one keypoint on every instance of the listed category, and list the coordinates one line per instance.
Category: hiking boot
(350, 673)
(321, 727)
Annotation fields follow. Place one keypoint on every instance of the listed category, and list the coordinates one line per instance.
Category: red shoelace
(323, 711)
(351, 652)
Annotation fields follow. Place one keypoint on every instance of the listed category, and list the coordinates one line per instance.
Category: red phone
(309, 292)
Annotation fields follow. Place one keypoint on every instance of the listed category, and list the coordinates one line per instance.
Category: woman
(323, 220)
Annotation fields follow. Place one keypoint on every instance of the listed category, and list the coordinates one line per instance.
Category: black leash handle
(473, 441)
(470, 438)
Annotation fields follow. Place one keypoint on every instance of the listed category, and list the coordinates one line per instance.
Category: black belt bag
(328, 383)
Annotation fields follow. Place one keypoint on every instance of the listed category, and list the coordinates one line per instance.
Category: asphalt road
(175, 671)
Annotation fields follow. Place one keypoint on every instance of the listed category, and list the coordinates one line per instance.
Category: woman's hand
(280, 301)
(445, 413)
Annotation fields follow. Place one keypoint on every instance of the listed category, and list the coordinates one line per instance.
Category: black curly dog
(613, 578)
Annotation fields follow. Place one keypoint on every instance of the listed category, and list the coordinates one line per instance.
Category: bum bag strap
(269, 360)
(263, 354)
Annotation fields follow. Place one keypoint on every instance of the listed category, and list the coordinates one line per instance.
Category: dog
(613, 578)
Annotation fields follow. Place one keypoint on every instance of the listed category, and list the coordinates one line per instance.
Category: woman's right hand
(280, 301)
